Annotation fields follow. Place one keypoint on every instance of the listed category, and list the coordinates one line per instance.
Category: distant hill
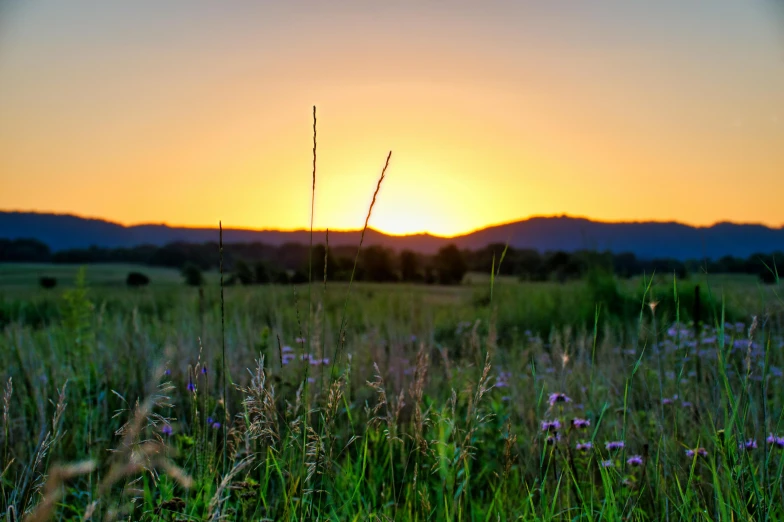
(645, 239)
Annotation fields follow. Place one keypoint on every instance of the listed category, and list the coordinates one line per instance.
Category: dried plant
(260, 406)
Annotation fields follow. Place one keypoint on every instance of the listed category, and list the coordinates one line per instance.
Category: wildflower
(634, 460)
(581, 424)
(167, 371)
(552, 439)
(298, 340)
(210, 420)
(191, 386)
(686, 404)
(553, 425)
(775, 440)
(166, 430)
(702, 452)
(607, 464)
(216, 425)
(584, 446)
(749, 444)
(667, 401)
(204, 370)
(614, 445)
(287, 349)
(558, 397)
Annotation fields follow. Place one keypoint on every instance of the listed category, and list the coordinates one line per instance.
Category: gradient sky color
(193, 111)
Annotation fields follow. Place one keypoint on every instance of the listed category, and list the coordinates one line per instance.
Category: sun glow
(488, 123)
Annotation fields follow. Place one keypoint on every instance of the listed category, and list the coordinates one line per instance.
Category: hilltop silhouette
(645, 239)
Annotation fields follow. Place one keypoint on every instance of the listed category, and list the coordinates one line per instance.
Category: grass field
(591, 400)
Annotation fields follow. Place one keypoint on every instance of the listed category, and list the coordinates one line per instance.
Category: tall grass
(583, 401)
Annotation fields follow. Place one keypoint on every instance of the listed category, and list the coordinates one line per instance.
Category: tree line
(259, 263)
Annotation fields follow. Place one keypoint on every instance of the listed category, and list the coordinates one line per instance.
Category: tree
(47, 282)
(192, 274)
(243, 272)
(377, 262)
(317, 273)
(137, 279)
(451, 265)
(260, 273)
(528, 264)
(409, 266)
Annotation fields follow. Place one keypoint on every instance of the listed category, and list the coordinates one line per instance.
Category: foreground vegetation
(589, 400)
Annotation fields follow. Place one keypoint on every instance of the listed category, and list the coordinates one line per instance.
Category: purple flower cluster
(635, 460)
(554, 438)
(558, 398)
(775, 440)
(581, 424)
(702, 452)
(213, 423)
(614, 445)
(584, 446)
(553, 425)
(502, 381)
(167, 430)
(748, 445)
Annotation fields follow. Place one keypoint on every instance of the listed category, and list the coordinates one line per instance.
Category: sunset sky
(192, 112)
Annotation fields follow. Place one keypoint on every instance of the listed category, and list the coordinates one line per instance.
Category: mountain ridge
(646, 239)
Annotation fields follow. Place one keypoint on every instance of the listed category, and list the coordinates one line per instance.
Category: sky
(191, 112)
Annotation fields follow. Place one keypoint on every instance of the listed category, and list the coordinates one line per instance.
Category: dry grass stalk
(475, 417)
(213, 509)
(389, 418)
(53, 489)
(417, 389)
(260, 406)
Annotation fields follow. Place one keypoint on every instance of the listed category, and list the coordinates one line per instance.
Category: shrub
(192, 275)
(47, 282)
(137, 279)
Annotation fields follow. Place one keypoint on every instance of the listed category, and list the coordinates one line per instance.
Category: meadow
(493, 400)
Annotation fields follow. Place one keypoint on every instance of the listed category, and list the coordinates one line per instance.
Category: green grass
(25, 276)
(436, 414)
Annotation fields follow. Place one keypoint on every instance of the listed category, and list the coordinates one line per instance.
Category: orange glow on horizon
(131, 118)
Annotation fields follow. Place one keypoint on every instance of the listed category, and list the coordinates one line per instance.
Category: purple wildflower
(607, 464)
(167, 430)
(553, 425)
(167, 371)
(558, 397)
(204, 370)
(552, 439)
(702, 452)
(191, 386)
(775, 440)
(287, 349)
(686, 404)
(216, 425)
(581, 424)
(584, 446)
(749, 444)
(614, 445)
(667, 401)
(634, 460)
